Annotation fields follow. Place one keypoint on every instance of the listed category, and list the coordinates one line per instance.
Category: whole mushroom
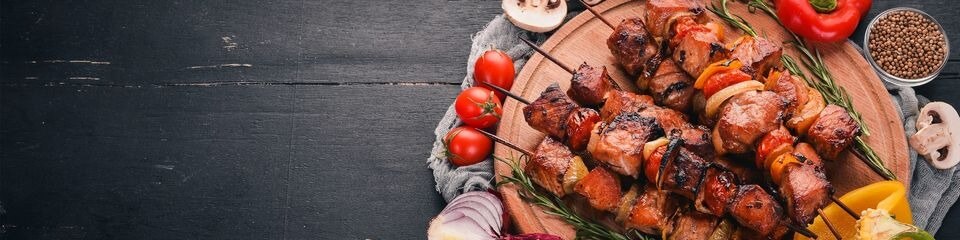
(535, 15)
(938, 135)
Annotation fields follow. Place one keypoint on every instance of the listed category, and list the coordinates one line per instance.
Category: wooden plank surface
(242, 120)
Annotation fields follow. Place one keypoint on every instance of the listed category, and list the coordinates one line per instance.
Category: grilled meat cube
(651, 211)
(634, 47)
(757, 210)
(619, 144)
(697, 139)
(548, 114)
(682, 173)
(792, 90)
(697, 49)
(806, 152)
(661, 14)
(589, 85)
(717, 187)
(671, 87)
(758, 53)
(692, 225)
(746, 117)
(832, 132)
(601, 188)
(744, 170)
(622, 101)
(580, 123)
(549, 163)
(669, 119)
(805, 190)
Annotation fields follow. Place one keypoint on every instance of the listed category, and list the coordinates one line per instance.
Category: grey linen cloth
(932, 191)
(452, 180)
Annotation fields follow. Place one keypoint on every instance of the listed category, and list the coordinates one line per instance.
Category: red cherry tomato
(770, 142)
(652, 165)
(496, 68)
(478, 107)
(722, 80)
(467, 146)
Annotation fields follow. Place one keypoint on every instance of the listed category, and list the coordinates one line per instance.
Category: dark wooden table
(242, 119)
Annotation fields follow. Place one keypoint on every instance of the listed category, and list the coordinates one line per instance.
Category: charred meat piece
(806, 152)
(622, 101)
(548, 114)
(793, 91)
(697, 49)
(682, 173)
(549, 163)
(805, 190)
(671, 87)
(601, 188)
(717, 187)
(746, 117)
(755, 209)
(669, 119)
(758, 53)
(832, 132)
(692, 225)
(580, 123)
(651, 211)
(697, 139)
(745, 171)
(661, 14)
(619, 144)
(633, 47)
(589, 85)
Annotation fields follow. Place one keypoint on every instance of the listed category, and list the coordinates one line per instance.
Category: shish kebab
(650, 210)
(834, 128)
(747, 58)
(539, 168)
(801, 207)
(553, 97)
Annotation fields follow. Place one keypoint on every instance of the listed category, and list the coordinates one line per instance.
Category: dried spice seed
(907, 44)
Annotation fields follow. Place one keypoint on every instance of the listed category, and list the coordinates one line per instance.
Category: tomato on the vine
(496, 68)
(466, 146)
(478, 107)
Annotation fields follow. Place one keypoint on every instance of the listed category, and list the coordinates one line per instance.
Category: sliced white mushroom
(938, 135)
(535, 15)
(593, 2)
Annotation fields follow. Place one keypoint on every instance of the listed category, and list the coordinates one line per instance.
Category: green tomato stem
(824, 6)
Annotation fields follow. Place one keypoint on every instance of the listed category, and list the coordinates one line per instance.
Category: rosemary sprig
(586, 229)
(732, 19)
(821, 80)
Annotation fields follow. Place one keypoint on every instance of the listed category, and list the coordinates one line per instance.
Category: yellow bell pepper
(886, 195)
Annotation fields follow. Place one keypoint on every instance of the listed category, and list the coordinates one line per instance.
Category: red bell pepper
(822, 20)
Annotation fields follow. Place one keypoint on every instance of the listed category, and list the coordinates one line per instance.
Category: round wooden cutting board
(583, 39)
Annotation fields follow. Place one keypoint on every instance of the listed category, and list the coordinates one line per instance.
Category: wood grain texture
(582, 40)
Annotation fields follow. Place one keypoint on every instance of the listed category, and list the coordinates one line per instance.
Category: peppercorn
(907, 44)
